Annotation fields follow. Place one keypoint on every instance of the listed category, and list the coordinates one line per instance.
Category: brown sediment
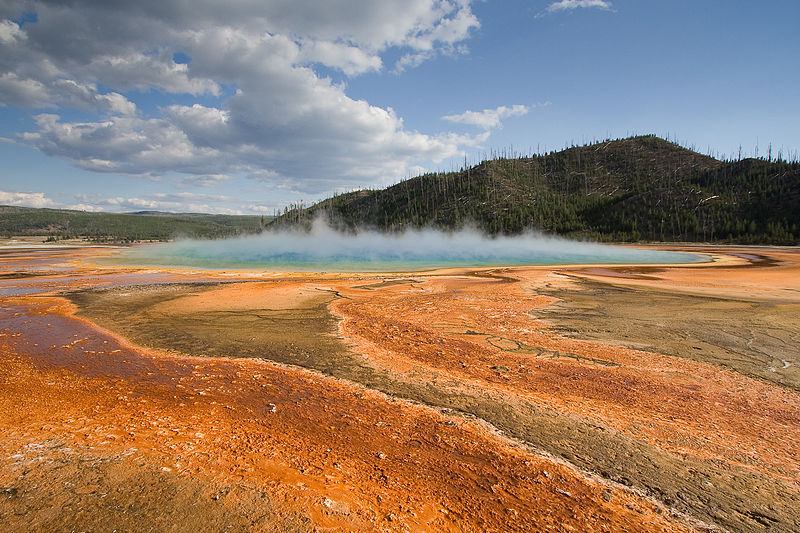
(50, 486)
(325, 453)
(701, 439)
(643, 272)
(385, 283)
(327, 435)
(755, 338)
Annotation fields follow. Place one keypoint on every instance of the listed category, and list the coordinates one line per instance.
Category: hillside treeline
(60, 224)
(635, 189)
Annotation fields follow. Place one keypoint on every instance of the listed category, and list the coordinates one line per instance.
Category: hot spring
(325, 250)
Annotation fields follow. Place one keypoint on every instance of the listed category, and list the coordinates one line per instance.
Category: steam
(324, 249)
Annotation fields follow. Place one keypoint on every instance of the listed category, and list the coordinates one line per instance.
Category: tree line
(627, 190)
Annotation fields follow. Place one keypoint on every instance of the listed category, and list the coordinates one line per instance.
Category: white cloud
(177, 202)
(206, 142)
(85, 207)
(10, 32)
(349, 59)
(263, 175)
(85, 96)
(411, 60)
(488, 118)
(206, 180)
(442, 38)
(136, 70)
(127, 145)
(28, 92)
(265, 111)
(23, 92)
(448, 30)
(27, 199)
(565, 5)
(181, 202)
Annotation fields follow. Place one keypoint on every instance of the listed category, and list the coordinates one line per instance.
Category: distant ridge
(60, 224)
(641, 188)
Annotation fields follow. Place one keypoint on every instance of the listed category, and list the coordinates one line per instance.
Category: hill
(636, 189)
(123, 227)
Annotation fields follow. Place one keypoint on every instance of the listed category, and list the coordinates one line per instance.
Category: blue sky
(244, 107)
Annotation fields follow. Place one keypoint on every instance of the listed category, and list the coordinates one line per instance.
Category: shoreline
(251, 270)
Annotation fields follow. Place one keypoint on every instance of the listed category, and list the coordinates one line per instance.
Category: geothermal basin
(586, 397)
(323, 249)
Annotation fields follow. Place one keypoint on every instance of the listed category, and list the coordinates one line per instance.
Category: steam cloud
(324, 249)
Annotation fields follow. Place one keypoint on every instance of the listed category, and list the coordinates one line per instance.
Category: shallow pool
(324, 250)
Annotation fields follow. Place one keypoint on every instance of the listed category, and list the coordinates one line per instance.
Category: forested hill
(60, 224)
(635, 189)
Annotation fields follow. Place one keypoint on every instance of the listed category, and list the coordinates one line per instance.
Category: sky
(247, 106)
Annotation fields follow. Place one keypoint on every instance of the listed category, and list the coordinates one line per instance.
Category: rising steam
(324, 249)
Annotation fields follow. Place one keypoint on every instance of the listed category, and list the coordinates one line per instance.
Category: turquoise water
(324, 250)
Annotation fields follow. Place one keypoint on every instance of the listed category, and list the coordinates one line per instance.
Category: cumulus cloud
(140, 71)
(206, 180)
(128, 145)
(10, 32)
(266, 110)
(412, 60)
(86, 96)
(85, 207)
(170, 202)
(488, 118)
(27, 92)
(23, 92)
(26, 199)
(177, 202)
(348, 58)
(567, 5)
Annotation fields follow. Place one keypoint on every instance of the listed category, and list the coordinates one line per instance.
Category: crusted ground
(586, 399)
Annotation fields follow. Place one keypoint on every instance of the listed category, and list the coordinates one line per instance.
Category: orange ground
(651, 396)
(349, 458)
